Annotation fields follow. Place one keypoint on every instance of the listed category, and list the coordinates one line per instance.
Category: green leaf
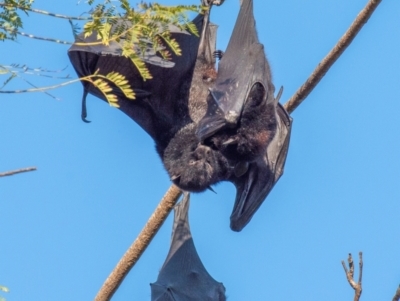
(4, 289)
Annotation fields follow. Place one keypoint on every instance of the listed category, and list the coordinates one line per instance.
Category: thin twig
(134, 252)
(41, 89)
(36, 37)
(397, 295)
(357, 286)
(13, 172)
(332, 57)
(108, 288)
(43, 12)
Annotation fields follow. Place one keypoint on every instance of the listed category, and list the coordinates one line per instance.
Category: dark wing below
(262, 175)
(243, 65)
(183, 276)
(155, 103)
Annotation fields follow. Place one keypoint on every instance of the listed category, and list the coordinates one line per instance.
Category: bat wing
(243, 65)
(254, 186)
(183, 276)
(155, 101)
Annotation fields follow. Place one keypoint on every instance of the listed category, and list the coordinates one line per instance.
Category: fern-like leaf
(122, 83)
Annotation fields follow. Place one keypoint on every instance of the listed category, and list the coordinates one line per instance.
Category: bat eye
(210, 143)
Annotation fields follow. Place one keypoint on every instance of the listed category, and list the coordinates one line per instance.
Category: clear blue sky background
(65, 226)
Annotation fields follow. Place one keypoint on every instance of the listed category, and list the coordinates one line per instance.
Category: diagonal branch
(397, 295)
(136, 250)
(324, 66)
(13, 172)
(115, 278)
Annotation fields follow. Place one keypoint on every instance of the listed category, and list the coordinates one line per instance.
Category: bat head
(191, 165)
(183, 276)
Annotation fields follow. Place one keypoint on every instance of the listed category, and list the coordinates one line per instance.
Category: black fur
(204, 138)
(254, 131)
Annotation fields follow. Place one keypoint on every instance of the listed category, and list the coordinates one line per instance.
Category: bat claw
(85, 120)
(210, 188)
(278, 96)
(218, 2)
(84, 110)
(218, 54)
(175, 177)
(212, 2)
(229, 141)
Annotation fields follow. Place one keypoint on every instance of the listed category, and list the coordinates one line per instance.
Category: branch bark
(397, 295)
(357, 286)
(169, 200)
(134, 252)
(324, 66)
(13, 172)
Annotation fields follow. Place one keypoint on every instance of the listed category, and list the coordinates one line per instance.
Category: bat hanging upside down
(208, 126)
(183, 276)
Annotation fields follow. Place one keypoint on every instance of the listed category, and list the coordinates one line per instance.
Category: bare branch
(361, 269)
(332, 56)
(397, 295)
(134, 252)
(13, 172)
(35, 37)
(43, 12)
(350, 276)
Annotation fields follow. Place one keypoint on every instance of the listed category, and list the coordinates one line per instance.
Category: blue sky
(65, 226)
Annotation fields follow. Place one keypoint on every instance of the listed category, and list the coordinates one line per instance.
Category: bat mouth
(247, 202)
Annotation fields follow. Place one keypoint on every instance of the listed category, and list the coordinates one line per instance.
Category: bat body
(241, 116)
(158, 100)
(244, 120)
(202, 137)
(168, 106)
(183, 276)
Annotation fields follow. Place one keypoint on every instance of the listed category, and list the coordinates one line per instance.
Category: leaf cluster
(103, 84)
(4, 289)
(10, 21)
(138, 30)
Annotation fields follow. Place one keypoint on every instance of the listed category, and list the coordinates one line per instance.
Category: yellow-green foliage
(103, 84)
(146, 26)
(135, 29)
(10, 21)
(4, 289)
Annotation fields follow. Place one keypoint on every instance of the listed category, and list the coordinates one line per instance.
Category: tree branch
(116, 277)
(332, 56)
(43, 12)
(134, 252)
(397, 295)
(350, 276)
(13, 172)
(35, 37)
